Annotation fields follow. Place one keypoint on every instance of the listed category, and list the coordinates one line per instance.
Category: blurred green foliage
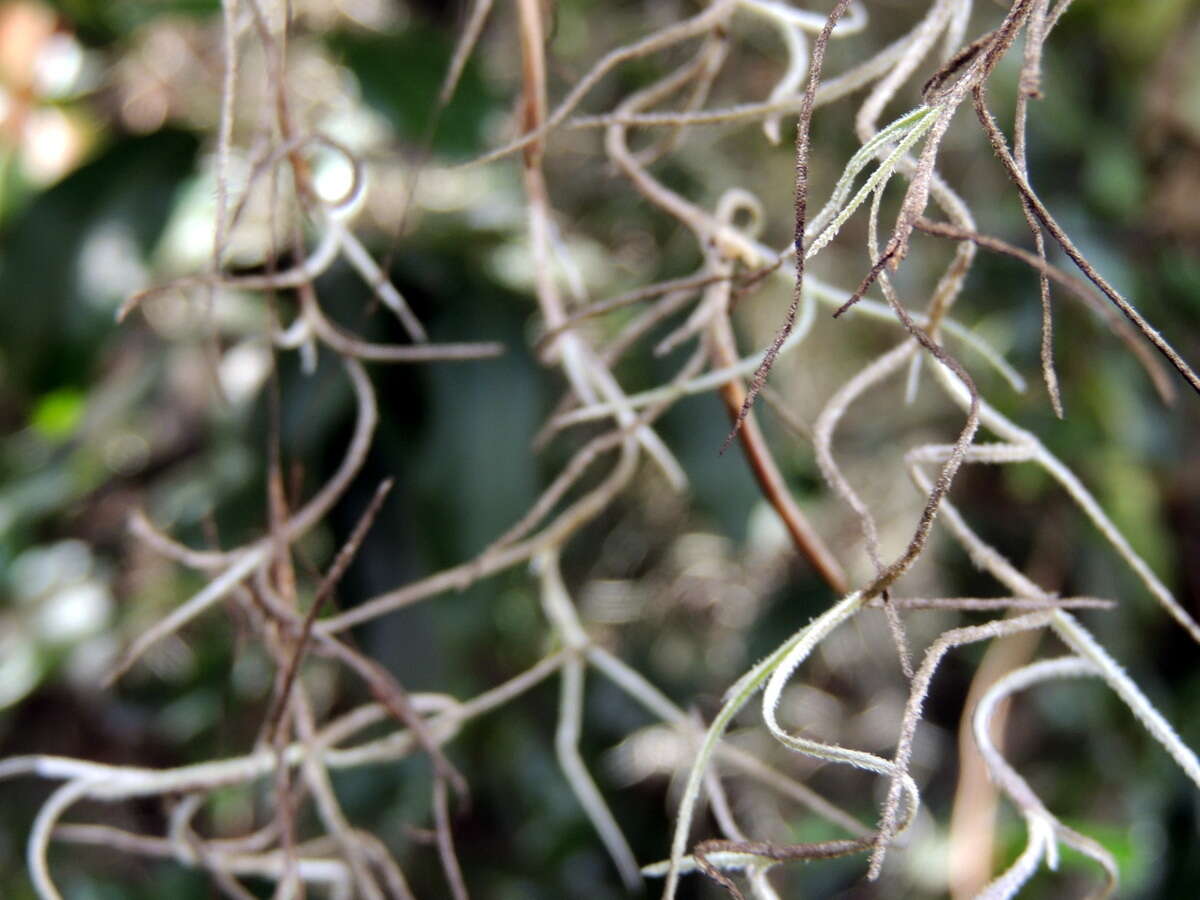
(401, 77)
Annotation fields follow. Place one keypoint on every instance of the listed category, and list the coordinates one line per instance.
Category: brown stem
(767, 474)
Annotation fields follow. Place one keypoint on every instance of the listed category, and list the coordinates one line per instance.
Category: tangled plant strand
(577, 342)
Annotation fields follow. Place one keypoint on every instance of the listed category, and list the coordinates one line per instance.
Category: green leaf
(58, 413)
(401, 75)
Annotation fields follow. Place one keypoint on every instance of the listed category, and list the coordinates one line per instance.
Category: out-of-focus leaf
(1137, 30)
(58, 413)
(100, 21)
(59, 298)
(401, 75)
